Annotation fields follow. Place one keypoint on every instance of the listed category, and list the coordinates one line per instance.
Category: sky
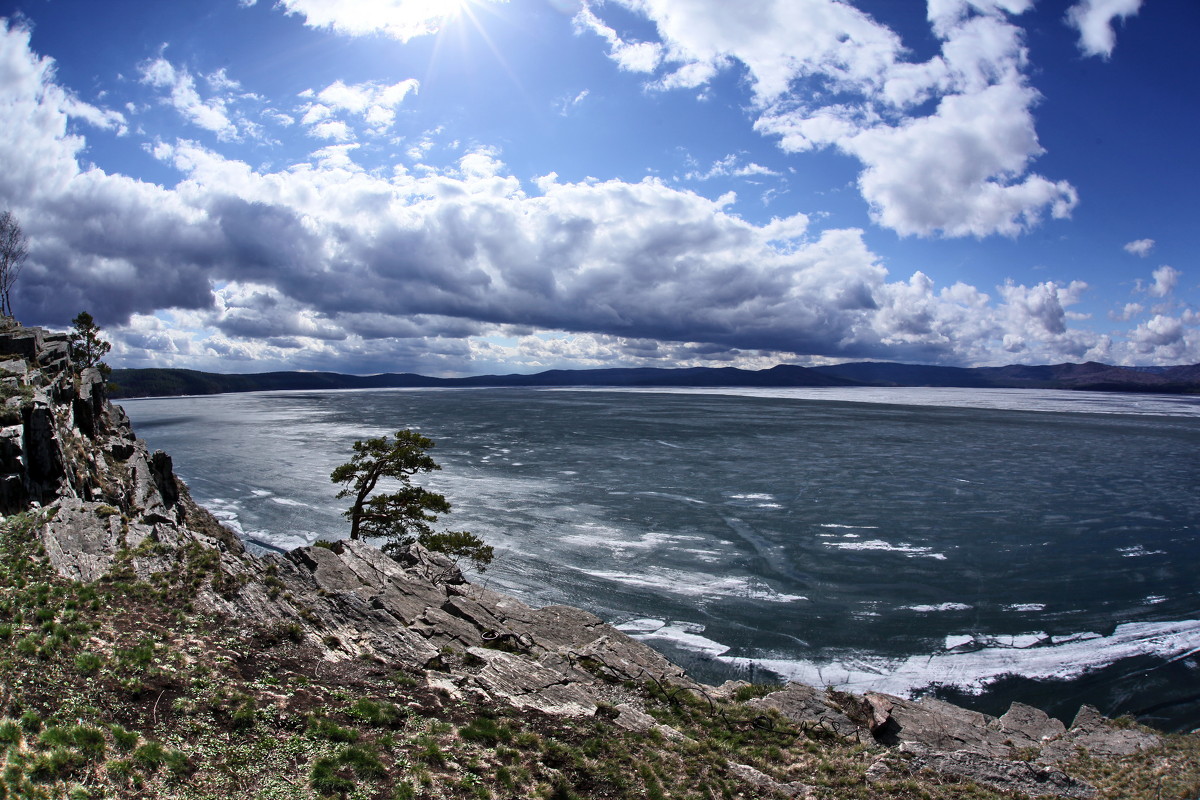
(457, 187)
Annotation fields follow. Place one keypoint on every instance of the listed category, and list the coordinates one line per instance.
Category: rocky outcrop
(114, 505)
(1025, 750)
(112, 508)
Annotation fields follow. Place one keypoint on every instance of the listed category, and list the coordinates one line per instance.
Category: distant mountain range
(1089, 376)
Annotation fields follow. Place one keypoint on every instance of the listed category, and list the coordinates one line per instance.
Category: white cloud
(216, 113)
(950, 171)
(399, 19)
(1165, 339)
(732, 166)
(323, 264)
(1127, 313)
(1094, 21)
(961, 170)
(375, 103)
(102, 118)
(333, 129)
(209, 114)
(1165, 280)
(630, 56)
(568, 104)
(1140, 247)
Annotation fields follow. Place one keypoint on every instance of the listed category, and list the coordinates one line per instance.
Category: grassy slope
(123, 689)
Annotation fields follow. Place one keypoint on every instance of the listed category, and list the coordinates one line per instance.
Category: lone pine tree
(406, 515)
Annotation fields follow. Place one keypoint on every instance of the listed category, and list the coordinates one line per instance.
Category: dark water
(987, 554)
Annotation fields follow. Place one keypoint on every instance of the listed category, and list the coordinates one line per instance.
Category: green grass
(125, 690)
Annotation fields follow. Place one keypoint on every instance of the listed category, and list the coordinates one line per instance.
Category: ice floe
(975, 664)
(695, 584)
(878, 544)
(925, 609)
(685, 636)
(1137, 551)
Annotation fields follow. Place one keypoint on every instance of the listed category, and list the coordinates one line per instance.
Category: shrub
(31, 722)
(485, 730)
(150, 756)
(429, 752)
(328, 729)
(325, 780)
(10, 733)
(89, 741)
(753, 690)
(381, 714)
(88, 663)
(56, 736)
(59, 764)
(244, 715)
(179, 764)
(123, 739)
(363, 761)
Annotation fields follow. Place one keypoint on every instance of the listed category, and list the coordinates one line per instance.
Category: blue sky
(472, 186)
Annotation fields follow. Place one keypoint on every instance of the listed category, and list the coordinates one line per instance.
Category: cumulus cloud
(824, 74)
(372, 102)
(1165, 280)
(1127, 313)
(1140, 247)
(1094, 19)
(323, 264)
(1165, 339)
(212, 113)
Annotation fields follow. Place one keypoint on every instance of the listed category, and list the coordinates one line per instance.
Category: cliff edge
(350, 673)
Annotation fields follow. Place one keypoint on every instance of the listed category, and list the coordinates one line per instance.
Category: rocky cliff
(108, 512)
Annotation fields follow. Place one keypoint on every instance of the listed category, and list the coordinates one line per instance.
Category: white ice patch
(682, 635)
(287, 501)
(593, 534)
(852, 527)
(1154, 600)
(1026, 607)
(287, 541)
(695, 584)
(1061, 658)
(912, 551)
(759, 500)
(1044, 400)
(680, 497)
(1138, 550)
(925, 609)
(636, 627)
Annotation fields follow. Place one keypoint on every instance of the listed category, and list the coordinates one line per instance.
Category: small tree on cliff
(14, 247)
(405, 515)
(87, 348)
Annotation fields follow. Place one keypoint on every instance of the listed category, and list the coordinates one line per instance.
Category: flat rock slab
(1033, 780)
(524, 683)
(808, 706)
(1095, 733)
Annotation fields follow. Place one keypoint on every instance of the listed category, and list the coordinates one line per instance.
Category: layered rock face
(111, 504)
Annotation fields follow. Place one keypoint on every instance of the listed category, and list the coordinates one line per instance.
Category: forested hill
(1088, 376)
